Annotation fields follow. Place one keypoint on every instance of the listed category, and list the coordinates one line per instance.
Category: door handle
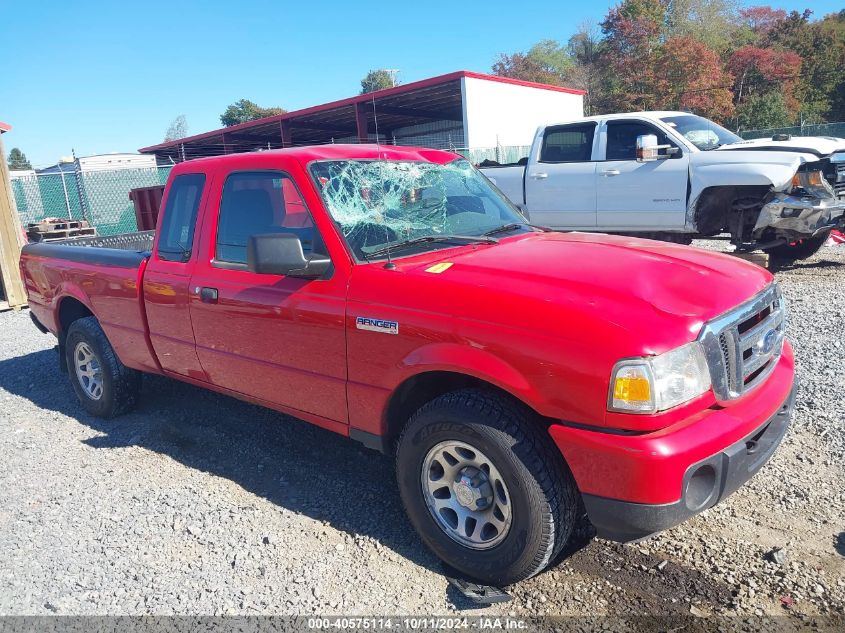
(540, 175)
(611, 172)
(208, 295)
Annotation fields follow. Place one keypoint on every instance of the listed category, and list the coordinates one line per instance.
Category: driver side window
(622, 139)
(257, 203)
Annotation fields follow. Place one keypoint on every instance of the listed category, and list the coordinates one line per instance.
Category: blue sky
(109, 76)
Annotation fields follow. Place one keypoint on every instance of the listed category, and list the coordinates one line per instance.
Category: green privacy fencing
(822, 129)
(99, 196)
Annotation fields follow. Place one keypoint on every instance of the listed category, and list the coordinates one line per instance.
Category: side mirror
(648, 150)
(282, 254)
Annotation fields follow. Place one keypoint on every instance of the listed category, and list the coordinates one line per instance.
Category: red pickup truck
(520, 376)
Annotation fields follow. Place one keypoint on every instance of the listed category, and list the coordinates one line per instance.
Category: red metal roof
(364, 98)
(4, 127)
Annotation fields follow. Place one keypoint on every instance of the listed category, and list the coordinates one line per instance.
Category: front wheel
(800, 249)
(485, 487)
(105, 386)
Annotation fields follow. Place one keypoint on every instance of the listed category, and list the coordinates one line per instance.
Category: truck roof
(649, 114)
(369, 151)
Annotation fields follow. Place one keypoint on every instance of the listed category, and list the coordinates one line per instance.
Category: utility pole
(393, 73)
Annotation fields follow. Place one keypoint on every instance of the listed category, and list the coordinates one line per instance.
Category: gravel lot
(200, 504)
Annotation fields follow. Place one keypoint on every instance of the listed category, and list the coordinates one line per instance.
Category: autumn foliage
(753, 67)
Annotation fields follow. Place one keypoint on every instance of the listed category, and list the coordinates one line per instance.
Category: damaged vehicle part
(675, 176)
(384, 205)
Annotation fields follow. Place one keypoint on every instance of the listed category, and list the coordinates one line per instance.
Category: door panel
(166, 298)
(167, 277)
(276, 338)
(631, 195)
(560, 182)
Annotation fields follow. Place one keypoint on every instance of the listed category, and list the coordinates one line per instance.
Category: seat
(243, 213)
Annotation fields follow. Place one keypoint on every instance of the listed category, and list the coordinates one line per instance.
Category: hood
(633, 290)
(815, 146)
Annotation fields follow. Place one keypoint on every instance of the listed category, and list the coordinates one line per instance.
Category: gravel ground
(200, 504)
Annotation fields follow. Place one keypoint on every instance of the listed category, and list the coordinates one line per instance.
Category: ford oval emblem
(769, 341)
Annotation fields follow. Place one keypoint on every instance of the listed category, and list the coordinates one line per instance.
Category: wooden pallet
(61, 234)
(48, 226)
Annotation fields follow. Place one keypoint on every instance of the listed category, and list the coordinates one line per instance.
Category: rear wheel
(105, 386)
(485, 487)
(800, 249)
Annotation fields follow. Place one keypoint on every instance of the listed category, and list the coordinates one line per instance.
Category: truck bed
(509, 180)
(126, 250)
(100, 275)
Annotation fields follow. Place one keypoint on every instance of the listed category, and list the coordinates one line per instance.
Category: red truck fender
(433, 369)
(473, 361)
(68, 291)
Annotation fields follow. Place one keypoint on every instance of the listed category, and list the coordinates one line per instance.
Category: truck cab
(675, 176)
(392, 295)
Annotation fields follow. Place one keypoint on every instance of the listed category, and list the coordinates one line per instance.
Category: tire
(118, 385)
(538, 485)
(802, 249)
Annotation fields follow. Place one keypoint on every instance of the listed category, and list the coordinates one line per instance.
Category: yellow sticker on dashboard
(439, 268)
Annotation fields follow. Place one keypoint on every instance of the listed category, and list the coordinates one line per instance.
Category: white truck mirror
(647, 149)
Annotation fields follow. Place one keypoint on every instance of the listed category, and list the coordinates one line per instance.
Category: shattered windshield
(701, 132)
(380, 203)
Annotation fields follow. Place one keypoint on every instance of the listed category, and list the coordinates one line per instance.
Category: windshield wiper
(513, 226)
(458, 239)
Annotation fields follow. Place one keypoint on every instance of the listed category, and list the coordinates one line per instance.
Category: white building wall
(509, 114)
(110, 162)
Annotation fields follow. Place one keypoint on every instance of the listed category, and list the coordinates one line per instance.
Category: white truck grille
(744, 345)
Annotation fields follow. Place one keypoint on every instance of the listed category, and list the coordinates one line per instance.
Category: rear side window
(568, 143)
(622, 138)
(176, 233)
(256, 203)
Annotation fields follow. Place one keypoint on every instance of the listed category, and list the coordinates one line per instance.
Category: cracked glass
(380, 203)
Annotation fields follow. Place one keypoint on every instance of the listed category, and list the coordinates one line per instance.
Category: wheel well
(715, 204)
(417, 390)
(70, 310)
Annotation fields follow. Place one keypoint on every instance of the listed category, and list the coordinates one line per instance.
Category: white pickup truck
(677, 176)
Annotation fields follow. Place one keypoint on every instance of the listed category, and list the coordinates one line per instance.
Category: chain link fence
(99, 196)
(822, 129)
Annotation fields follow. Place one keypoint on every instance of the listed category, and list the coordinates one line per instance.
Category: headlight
(813, 182)
(657, 383)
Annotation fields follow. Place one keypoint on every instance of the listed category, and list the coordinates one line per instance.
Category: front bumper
(800, 218)
(705, 484)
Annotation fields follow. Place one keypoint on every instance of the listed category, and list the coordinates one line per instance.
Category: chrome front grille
(743, 345)
(839, 185)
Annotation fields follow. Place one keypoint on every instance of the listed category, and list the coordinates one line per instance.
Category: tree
(585, 52)
(763, 111)
(761, 19)
(378, 79)
(764, 72)
(821, 46)
(177, 129)
(690, 77)
(547, 62)
(632, 39)
(713, 22)
(246, 110)
(18, 160)
(835, 25)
